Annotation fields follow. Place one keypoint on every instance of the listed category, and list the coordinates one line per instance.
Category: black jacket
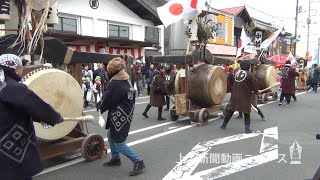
(19, 107)
(119, 99)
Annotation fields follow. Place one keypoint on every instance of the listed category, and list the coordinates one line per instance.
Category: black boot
(146, 111)
(113, 162)
(168, 103)
(247, 124)
(159, 114)
(247, 129)
(137, 168)
(224, 125)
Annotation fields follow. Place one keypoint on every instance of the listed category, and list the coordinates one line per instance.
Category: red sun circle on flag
(176, 9)
(240, 43)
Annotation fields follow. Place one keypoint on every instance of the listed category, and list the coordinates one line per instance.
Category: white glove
(102, 122)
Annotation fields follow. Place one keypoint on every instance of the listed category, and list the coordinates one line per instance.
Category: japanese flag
(244, 41)
(266, 43)
(175, 10)
(292, 59)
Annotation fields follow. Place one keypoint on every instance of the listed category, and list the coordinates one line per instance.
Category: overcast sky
(281, 12)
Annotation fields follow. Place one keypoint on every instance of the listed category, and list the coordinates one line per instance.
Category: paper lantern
(53, 17)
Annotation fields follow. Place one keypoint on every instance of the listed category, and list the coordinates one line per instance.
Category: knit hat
(88, 79)
(83, 78)
(288, 62)
(116, 64)
(98, 78)
(8, 61)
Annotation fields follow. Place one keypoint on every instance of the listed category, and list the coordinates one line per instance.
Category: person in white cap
(20, 107)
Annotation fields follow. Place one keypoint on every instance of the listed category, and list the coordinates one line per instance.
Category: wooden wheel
(203, 115)
(173, 114)
(92, 147)
(194, 117)
(275, 96)
(264, 98)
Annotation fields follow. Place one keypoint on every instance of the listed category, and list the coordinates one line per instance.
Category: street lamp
(298, 38)
(294, 41)
(283, 31)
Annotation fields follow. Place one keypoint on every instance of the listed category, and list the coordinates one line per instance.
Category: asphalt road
(209, 152)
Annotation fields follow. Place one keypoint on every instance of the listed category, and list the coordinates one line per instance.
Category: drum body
(207, 85)
(63, 93)
(266, 77)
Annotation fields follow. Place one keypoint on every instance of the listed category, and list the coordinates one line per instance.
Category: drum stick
(254, 108)
(276, 84)
(81, 118)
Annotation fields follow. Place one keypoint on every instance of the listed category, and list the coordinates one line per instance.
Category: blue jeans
(138, 83)
(144, 82)
(122, 148)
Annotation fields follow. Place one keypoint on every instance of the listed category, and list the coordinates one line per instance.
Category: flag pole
(260, 54)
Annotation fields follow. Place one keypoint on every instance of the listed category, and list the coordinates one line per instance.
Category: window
(152, 34)
(65, 24)
(118, 31)
(221, 31)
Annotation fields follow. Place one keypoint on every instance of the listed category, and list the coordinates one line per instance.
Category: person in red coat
(288, 75)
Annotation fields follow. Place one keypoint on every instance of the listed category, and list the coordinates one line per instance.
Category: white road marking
(235, 167)
(153, 127)
(137, 131)
(66, 164)
(129, 144)
(269, 140)
(173, 127)
(189, 163)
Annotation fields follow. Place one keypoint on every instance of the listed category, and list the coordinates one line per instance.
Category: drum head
(218, 84)
(63, 93)
(271, 77)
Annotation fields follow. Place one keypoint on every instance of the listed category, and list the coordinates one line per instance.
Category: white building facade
(114, 25)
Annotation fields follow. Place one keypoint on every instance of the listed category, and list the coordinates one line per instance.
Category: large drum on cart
(266, 77)
(207, 85)
(64, 94)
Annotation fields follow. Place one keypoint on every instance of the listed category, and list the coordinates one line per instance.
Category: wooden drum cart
(67, 98)
(199, 89)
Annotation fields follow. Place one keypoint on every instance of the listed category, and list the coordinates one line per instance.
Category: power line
(268, 13)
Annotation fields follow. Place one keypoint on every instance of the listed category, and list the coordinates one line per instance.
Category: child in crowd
(97, 89)
(87, 92)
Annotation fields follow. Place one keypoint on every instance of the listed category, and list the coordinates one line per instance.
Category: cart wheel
(173, 114)
(203, 115)
(92, 147)
(195, 117)
(264, 99)
(275, 96)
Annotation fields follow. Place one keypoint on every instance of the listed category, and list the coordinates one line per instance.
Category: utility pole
(296, 28)
(308, 22)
